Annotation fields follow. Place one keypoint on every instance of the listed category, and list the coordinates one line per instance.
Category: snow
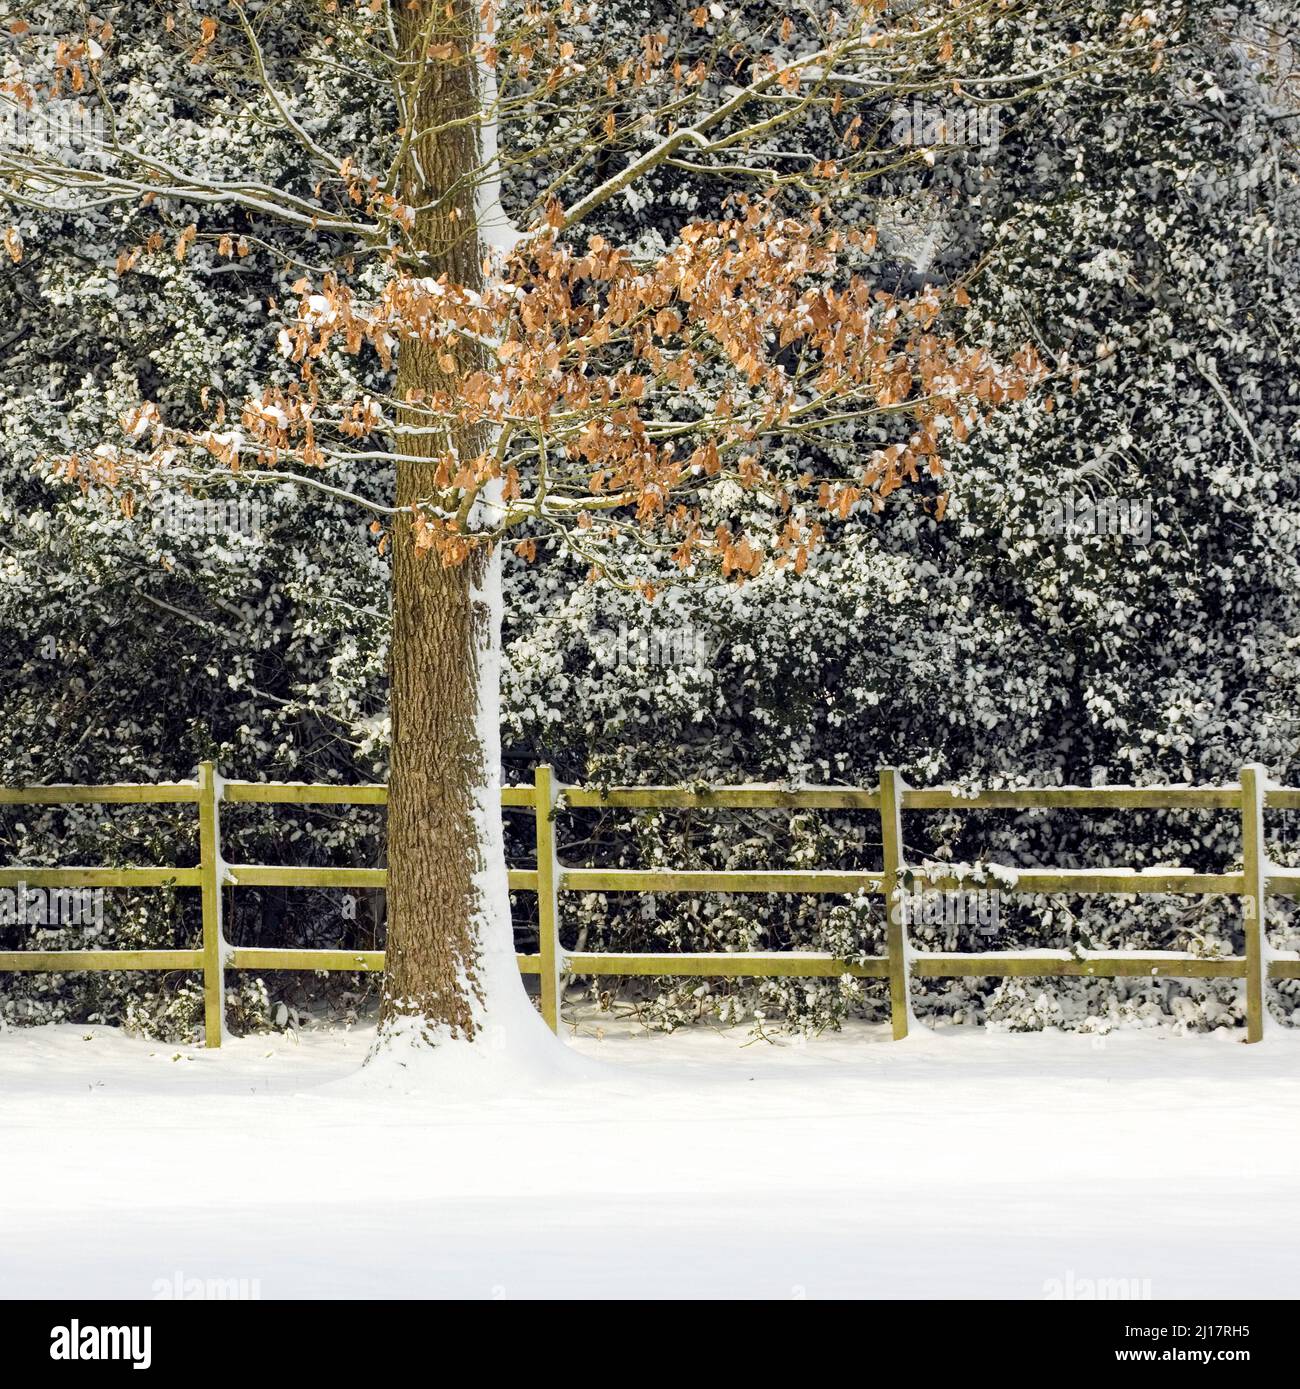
(957, 1163)
(507, 1016)
(496, 231)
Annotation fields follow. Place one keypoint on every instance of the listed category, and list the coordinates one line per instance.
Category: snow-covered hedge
(1142, 233)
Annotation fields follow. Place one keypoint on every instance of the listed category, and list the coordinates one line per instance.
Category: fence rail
(1252, 885)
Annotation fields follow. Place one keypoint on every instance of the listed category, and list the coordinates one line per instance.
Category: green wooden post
(891, 837)
(214, 982)
(548, 897)
(1254, 897)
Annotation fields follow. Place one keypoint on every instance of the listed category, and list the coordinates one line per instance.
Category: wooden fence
(1252, 884)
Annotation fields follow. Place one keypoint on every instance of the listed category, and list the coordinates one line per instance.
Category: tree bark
(448, 904)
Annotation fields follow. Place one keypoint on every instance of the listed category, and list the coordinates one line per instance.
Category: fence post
(891, 838)
(548, 898)
(1254, 899)
(214, 981)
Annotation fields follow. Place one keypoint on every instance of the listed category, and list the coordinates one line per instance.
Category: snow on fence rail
(1253, 884)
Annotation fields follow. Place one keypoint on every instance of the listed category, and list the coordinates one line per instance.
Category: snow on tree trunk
(451, 972)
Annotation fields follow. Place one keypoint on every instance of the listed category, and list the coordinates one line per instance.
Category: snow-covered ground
(955, 1164)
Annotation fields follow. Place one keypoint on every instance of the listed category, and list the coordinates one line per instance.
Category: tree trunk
(450, 945)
